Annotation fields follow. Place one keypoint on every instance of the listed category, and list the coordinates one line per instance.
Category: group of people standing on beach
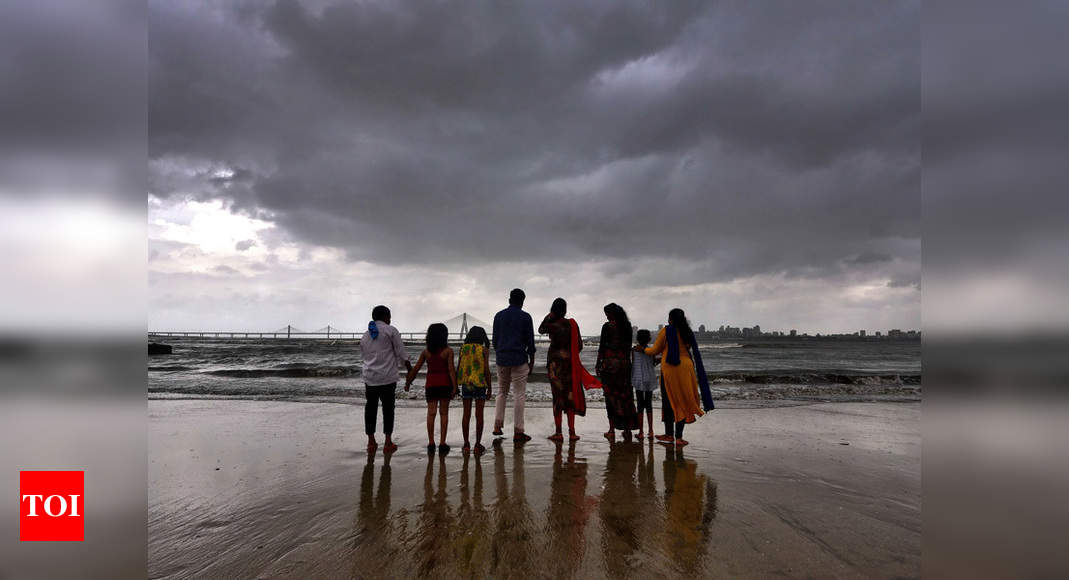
(624, 371)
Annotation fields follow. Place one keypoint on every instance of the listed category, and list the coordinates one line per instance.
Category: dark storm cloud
(869, 258)
(747, 138)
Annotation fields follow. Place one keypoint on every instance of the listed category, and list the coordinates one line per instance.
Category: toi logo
(51, 506)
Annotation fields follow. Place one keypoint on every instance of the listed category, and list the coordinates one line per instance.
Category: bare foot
(556, 437)
(389, 448)
(573, 437)
(372, 446)
(681, 442)
(610, 434)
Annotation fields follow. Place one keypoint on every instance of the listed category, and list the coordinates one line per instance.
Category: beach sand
(285, 489)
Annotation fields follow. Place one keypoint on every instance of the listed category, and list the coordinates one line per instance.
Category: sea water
(760, 372)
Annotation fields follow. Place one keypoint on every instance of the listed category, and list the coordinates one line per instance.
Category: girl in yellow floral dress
(473, 374)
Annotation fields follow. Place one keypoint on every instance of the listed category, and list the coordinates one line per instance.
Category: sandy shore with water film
(242, 488)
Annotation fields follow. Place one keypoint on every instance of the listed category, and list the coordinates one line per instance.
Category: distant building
(794, 332)
(701, 328)
(757, 330)
(729, 332)
(861, 333)
(894, 333)
(878, 334)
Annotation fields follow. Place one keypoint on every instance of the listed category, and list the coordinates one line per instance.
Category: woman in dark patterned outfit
(559, 366)
(614, 370)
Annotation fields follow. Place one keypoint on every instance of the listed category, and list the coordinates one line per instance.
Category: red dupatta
(580, 376)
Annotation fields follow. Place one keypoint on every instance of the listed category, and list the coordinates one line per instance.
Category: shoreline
(419, 402)
(247, 488)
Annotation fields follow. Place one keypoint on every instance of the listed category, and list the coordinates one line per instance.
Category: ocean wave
(792, 344)
(252, 393)
(297, 372)
(824, 393)
(815, 378)
(786, 377)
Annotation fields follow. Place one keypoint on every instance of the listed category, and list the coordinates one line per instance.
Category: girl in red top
(441, 381)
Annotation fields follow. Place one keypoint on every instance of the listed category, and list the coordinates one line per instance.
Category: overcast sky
(752, 163)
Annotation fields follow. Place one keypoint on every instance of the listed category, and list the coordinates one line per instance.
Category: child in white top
(643, 377)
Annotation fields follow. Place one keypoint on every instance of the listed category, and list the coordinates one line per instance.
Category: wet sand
(283, 489)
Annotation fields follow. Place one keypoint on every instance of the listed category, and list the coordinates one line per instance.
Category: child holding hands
(642, 378)
(441, 382)
(473, 375)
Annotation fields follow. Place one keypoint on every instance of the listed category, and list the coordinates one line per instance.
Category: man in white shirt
(383, 353)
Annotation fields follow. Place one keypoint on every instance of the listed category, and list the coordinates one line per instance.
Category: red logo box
(51, 506)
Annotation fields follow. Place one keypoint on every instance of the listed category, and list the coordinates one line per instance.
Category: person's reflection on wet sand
(437, 523)
(651, 511)
(620, 510)
(473, 533)
(647, 481)
(690, 505)
(373, 542)
(513, 534)
(567, 515)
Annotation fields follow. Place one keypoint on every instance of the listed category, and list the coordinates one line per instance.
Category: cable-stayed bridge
(463, 322)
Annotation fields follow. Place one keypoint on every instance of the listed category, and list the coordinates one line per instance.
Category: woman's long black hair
(623, 324)
(559, 307)
(437, 337)
(477, 335)
(679, 320)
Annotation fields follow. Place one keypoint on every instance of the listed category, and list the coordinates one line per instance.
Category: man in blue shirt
(514, 349)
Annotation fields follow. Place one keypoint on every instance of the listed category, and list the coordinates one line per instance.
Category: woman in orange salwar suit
(681, 378)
